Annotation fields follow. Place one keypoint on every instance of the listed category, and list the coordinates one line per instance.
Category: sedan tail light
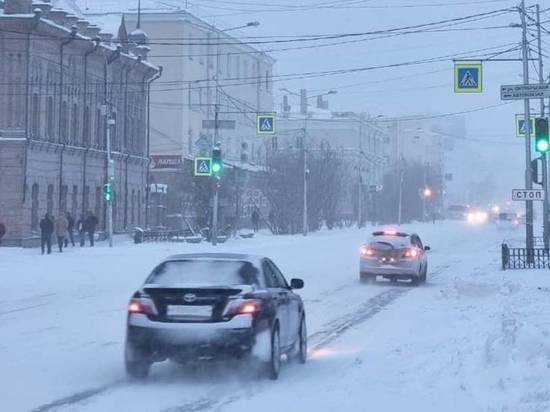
(411, 253)
(142, 305)
(367, 251)
(242, 307)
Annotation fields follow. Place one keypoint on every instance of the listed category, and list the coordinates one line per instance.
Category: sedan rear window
(204, 273)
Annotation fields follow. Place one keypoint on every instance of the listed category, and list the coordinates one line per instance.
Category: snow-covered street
(474, 338)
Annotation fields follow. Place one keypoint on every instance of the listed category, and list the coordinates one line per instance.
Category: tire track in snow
(322, 338)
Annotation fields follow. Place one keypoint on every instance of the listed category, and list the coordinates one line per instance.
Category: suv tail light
(242, 307)
(410, 253)
(367, 251)
(142, 305)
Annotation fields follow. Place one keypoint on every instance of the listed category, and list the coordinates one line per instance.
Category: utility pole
(401, 172)
(528, 175)
(304, 218)
(544, 155)
(110, 178)
(360, 201)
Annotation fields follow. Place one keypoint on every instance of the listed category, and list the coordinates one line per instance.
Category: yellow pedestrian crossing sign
(203, 166)
(468, 78)
(265, 123)
(521, 125)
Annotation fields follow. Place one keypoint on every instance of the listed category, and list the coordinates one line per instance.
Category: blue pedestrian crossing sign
(521, 125)
(468, 78)
(203, 166)
(265, 123)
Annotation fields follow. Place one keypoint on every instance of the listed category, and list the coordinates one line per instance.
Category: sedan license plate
(188, 311)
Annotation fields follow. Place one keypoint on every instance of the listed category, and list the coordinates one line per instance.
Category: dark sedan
(196, 307)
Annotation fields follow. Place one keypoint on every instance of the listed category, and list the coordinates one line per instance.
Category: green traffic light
(216, 167)
(543, 146)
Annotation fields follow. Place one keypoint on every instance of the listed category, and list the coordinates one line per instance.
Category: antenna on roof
(139, 15)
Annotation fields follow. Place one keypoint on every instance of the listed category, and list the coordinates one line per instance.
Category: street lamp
(306, 171)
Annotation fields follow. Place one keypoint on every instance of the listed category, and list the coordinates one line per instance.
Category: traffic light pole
(110, 179)
(528, 176)
(544, 156)
(214, 231)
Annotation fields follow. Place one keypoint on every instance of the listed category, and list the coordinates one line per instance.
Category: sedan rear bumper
(190, 341)
(399, 269)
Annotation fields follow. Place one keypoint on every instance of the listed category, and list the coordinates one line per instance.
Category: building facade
(62, 76)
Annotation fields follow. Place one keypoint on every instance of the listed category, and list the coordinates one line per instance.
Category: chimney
(303, 101)
(44, 7)
(58, 16)
(70, 21)
(17, 6)
(92, 31)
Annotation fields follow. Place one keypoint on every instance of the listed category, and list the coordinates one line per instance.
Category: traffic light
(217, 163)
(107, 192)
(542, 140)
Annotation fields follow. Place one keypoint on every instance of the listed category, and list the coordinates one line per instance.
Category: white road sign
(527, 194)
(524, 91)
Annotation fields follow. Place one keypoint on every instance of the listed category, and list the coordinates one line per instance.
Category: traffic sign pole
(529, 240)
(544, 156)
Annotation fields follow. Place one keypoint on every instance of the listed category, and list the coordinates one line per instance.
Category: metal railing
(523, 258)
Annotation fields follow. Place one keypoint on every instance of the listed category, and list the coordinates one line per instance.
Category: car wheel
(415, 280)
(367, 278)
(425, 274)
(137, 367)
(273, 367)
(301, 350)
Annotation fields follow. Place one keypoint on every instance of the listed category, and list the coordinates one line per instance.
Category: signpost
(521, 125)
(222, 124)
(265, 123)
(521, 195)
(524, 91)
(468, 78)
(203, 166)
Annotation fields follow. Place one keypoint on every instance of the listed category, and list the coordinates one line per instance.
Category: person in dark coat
(255, 220)
(46, 231)
(91, 225)
(70, 229)
(81, 228)
(2, 231)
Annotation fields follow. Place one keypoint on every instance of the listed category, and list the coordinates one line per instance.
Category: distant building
(203, 66)
(53, 122)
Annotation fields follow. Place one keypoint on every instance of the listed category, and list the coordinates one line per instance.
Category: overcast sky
(397, 91)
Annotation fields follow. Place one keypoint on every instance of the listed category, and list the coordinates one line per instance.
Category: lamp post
(304, 152)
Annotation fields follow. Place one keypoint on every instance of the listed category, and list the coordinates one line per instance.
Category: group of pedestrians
(64, 227)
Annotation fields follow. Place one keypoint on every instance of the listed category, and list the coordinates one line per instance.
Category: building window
(139, 202)
(35, 116)
(238, 67)
(191, 48)
(64, 122)
(63, 199)
(50, 118)
(74, 124)
(267, 80)
(133, 208)
(74, 201)
(86, 128)
(35, 204)
(86, 200)
(229, 62)
(98, 195)
(49, 204)
(98, 128)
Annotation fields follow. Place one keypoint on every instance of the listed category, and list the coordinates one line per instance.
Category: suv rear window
(204, 273)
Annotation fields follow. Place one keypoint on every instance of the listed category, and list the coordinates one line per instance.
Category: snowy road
(474, 338)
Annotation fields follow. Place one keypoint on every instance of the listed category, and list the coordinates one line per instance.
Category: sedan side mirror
(296, 284)
(426, 248)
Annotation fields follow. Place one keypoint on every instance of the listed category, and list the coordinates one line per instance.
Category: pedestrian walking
(255, 220)
(2, 231)
(46, 231)
(70, 230)
(61, 230)
(81, 228)
(91, 225)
